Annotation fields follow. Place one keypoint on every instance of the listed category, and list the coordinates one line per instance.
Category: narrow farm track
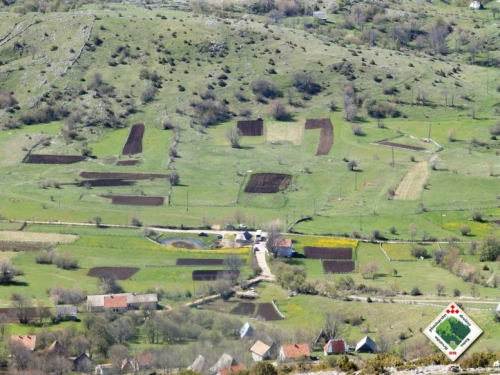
(412, 184)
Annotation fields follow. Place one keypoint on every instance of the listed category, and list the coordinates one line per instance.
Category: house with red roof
(336, 346)
(283, 246)
(230, 370)
(28, 341)
(116, 303)
(294, 352)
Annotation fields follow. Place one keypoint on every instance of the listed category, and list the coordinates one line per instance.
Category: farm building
(476, 5)
(28, 341)
(225, 362)
(199, 364)
(56, 349)
(121, 301)
(283, 246)
(366, 345)
(243, 237)
(66, 312)
(135, 365)
(320, 15)
(336, 346)
(231, 369)
(260, 351)
(82, 363)
(246, 330)
(105, 369)
(294, 352)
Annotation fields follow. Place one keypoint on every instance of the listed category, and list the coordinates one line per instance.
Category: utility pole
(356, 181)
(294, 216)
(360, 221)
(429, 137)
(187, 200)
(59, 198)
(314, 205)
(392, 155)
(340, 190)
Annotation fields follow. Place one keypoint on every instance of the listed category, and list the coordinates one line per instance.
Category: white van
(258, 235)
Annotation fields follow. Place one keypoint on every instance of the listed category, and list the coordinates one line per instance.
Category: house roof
(246, 330)
(296, 350)
(235, 368)
(97, 300)
(283, 242)
(366, 344)
(260, 348)
(225, 361)
(28, 341)
(335, 346)
(82, 357)
(198, 364)
(68, 310)
(56, 348)
(247, 235)
(320, 14)
(114, 302)
(106, 368)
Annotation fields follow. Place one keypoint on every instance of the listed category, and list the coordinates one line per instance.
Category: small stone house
(260, 351)
(294, 352)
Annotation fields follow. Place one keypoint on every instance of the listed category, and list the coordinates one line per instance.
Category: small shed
(336, 346)
(198, 365)
(260, 351)
(294, 352)
(105, 369)
(247, 235)
(283, 247)
(246, 330)
(66, 312)
(476, 5)
(225, 361)
(82, 363)
(56, 349)
(320, 15)
(366, 345)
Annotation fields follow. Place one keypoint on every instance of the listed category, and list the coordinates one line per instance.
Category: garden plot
(412, 184)
(134, 141)
(198, 262)
(267, 183)
(210, 275)
(121, 273)
(332, 266)
(400, 145)
(104, 182)
(123, 176)
(131, 200)
(326, 135)
(251, 127)
(286, 132)
(54, 159)
(15, 236)
(128, 163)
(265, 311)
(23, 246)
(328, 252)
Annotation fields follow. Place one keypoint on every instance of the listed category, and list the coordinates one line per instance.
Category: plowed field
(131, 200)
(128, 162)
(244, 308)
(121, 273)
(134, 140)
(122, 176)
(206, 275)
(326, 135)
(251, 128)
(328, 252)
(332, 266)
(267, 312)
(105, 182)
(267, 183)
(54, 159)
(198, 262)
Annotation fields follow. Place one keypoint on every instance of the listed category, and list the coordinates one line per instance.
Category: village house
(225, 362)
(366, 345)
(294, 352)
(246, 330)
(65, 312)
(199, 364)
(260, 351)
(105, 369)
(121, 302)
(283, 246)
(336, 346)
(28, 341)
(231, 369)
(56, 349)
(82, 363)
(320, 16)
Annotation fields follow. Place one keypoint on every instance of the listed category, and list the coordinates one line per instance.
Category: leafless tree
(233, 263)
(472, 48)
(352, 164)
(370, 270)
(234, 136)
(121, 329)
(97, 220)
(58, 365)
(435, 161)
(7, 271)
(273, 229)
(356, 130)
(277, 110)
(108, 284)
(333, 325)
(22, 305)
(239, 216)
(440, 289)
(412, 230)
(20, 355)
(42, 311)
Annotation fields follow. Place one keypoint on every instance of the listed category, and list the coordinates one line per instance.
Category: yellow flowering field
(325, 242)
(398, 251)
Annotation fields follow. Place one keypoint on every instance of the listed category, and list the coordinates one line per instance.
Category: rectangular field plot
(123, 176)
(244, 308)
(210, 275)
(251, 127)
(398, 251)
(332, 266)
(328, 252)
(132, 200)
(134, 140)
(264, 311)
(403, 146)
(54, 159)
(267, 183)
(267, 312)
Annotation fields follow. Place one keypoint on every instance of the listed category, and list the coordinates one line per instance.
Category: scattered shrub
(278, 110)
(265, 88)
(416, 291)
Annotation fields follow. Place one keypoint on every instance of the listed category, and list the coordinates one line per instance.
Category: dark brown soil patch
(208, 275)
(199, 262)
(23, 246)
(54, 159)
(496, 221)
(128, 162)
(267, 183)
(131, 200)
(244, 308)
(267, 312)
(123, 176)
(121, 273)
(332, 266)
(105, 182)
(134, 140)
(11, 317)
(251, 127)
(400, 145)
(326, 135)
(183, 244)
(328, 252)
